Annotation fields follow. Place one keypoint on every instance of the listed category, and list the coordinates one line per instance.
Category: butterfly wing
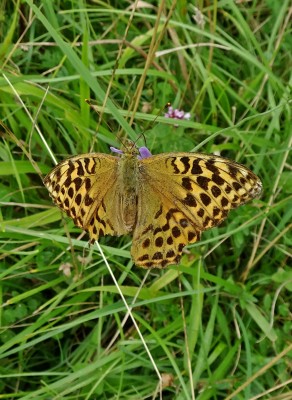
(182, 194)
(86, 188)
(162, 230)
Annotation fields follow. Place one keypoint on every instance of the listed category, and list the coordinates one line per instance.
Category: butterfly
(165, 201)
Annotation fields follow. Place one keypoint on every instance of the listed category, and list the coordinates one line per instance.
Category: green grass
(218, 326)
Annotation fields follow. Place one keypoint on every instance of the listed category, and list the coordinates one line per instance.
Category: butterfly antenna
(144, 138)
(94, 109)
(152, 123)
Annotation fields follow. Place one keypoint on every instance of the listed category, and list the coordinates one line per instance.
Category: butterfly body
(128, 189)
(164, 200)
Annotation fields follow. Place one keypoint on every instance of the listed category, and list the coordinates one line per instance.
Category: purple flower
(177, 114)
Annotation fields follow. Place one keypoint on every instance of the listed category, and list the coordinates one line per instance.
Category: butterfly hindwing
(161, 232)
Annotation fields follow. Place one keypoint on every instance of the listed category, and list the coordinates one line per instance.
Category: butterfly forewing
(205, 186)
(166, 200)
(80, 187)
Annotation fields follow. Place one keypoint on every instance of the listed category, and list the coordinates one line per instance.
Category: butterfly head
(133, 150)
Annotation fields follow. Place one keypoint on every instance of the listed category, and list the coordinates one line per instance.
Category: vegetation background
(218, 326)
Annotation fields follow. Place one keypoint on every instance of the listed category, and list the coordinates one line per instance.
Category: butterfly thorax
(128, 177)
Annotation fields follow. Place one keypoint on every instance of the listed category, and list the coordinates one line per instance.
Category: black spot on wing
(201, 212)
(186, 162)
(233, 171)
(170, 213)
(144, 257)
(159, 242)
(196, 169)
(236, 186)
(146, 230)
(190, 200)
(157, 230)
(224, 202)
(191, 236)
(217, 179)
(159, 212)
(216, 211)
(203, 182)
(176, 232)
(211, 167)
(175, 168)
(70, 192)
(180, 247)
(80, 169)
(78, 199)
(183, 222)
(165, 227)
(206, 200)
(157, 256)
(77, 182)
(146, 243)
(71, 167)
(170, 254)
(87, 183)
(88, 200)
(216, 191)
(86, 165)
(228, 189)
(187, 183)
